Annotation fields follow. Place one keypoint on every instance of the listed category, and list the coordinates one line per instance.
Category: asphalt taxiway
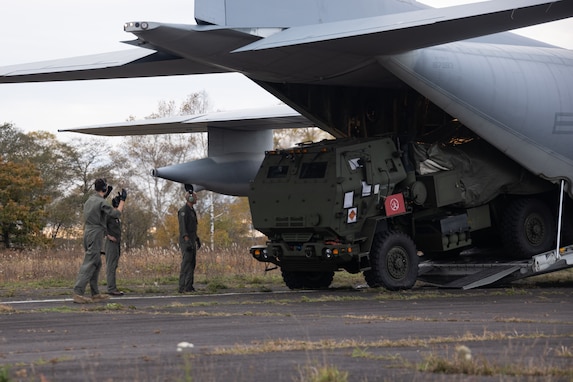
(373, 335)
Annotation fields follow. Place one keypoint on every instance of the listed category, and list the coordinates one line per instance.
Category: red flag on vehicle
(394, 205)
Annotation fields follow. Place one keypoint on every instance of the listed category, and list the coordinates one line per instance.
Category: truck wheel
(393, 262)
(307, 280)
(528, 228)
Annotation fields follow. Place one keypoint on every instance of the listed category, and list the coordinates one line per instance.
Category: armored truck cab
(311, 201)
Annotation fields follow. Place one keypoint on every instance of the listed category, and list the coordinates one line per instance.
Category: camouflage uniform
(187, 227)
(95, 211)
(112, 251)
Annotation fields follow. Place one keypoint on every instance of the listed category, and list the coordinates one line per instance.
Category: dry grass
(150, 270)
(282, 345)
(462, 362)
(146, 267)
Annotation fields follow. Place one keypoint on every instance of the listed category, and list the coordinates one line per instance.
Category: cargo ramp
(467, 273)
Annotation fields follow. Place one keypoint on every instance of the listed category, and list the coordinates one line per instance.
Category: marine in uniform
(96, 210)
(188, 242)
(113, 248)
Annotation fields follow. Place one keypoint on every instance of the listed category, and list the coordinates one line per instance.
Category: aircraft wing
(276, 117)
(151, 61)
(121, 64)
(396, 33)
(174, 49)
(237, 141)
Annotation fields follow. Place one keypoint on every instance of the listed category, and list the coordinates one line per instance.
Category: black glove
(108, 191)
(123, 194)
(198, 242)
(115, 200)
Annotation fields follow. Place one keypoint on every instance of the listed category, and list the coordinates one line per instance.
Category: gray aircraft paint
(518, 97)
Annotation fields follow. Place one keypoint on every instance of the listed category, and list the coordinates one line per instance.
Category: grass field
(140, 271)
(53, 272)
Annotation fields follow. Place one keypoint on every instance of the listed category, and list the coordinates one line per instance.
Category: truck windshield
(277, 172)
(313, 170)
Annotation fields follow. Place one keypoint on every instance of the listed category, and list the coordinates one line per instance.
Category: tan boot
(100, 297)
(79, 299)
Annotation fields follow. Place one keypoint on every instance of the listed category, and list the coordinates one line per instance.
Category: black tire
(393, 262)
(307, 280)
(528, 228)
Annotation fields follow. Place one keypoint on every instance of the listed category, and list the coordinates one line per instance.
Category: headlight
(259, 252)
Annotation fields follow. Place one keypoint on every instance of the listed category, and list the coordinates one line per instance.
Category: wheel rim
(397, 263)
(534, 229)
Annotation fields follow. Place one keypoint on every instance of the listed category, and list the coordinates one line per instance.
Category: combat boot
(79, 299)
(100, 297)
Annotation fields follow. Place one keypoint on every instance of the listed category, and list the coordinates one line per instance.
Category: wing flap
(397, 33)
(121, 64)
(277, 117)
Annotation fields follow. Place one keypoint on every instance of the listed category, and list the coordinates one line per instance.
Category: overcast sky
(37, 30)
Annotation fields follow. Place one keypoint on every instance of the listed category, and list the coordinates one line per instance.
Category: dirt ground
(513, 334)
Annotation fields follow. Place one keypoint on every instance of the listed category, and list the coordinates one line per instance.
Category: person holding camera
(189, 242)
(96, 209)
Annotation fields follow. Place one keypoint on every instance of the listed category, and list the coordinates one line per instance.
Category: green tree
(51, 158)
(22, 203)
(13, 142)
(42, 152)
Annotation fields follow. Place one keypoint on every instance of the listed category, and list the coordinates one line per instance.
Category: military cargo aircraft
(362, 69)
(366, 67)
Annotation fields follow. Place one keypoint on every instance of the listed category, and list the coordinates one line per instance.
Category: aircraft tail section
(289, 13)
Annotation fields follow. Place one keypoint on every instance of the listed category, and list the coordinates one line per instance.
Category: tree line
(44, 183)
